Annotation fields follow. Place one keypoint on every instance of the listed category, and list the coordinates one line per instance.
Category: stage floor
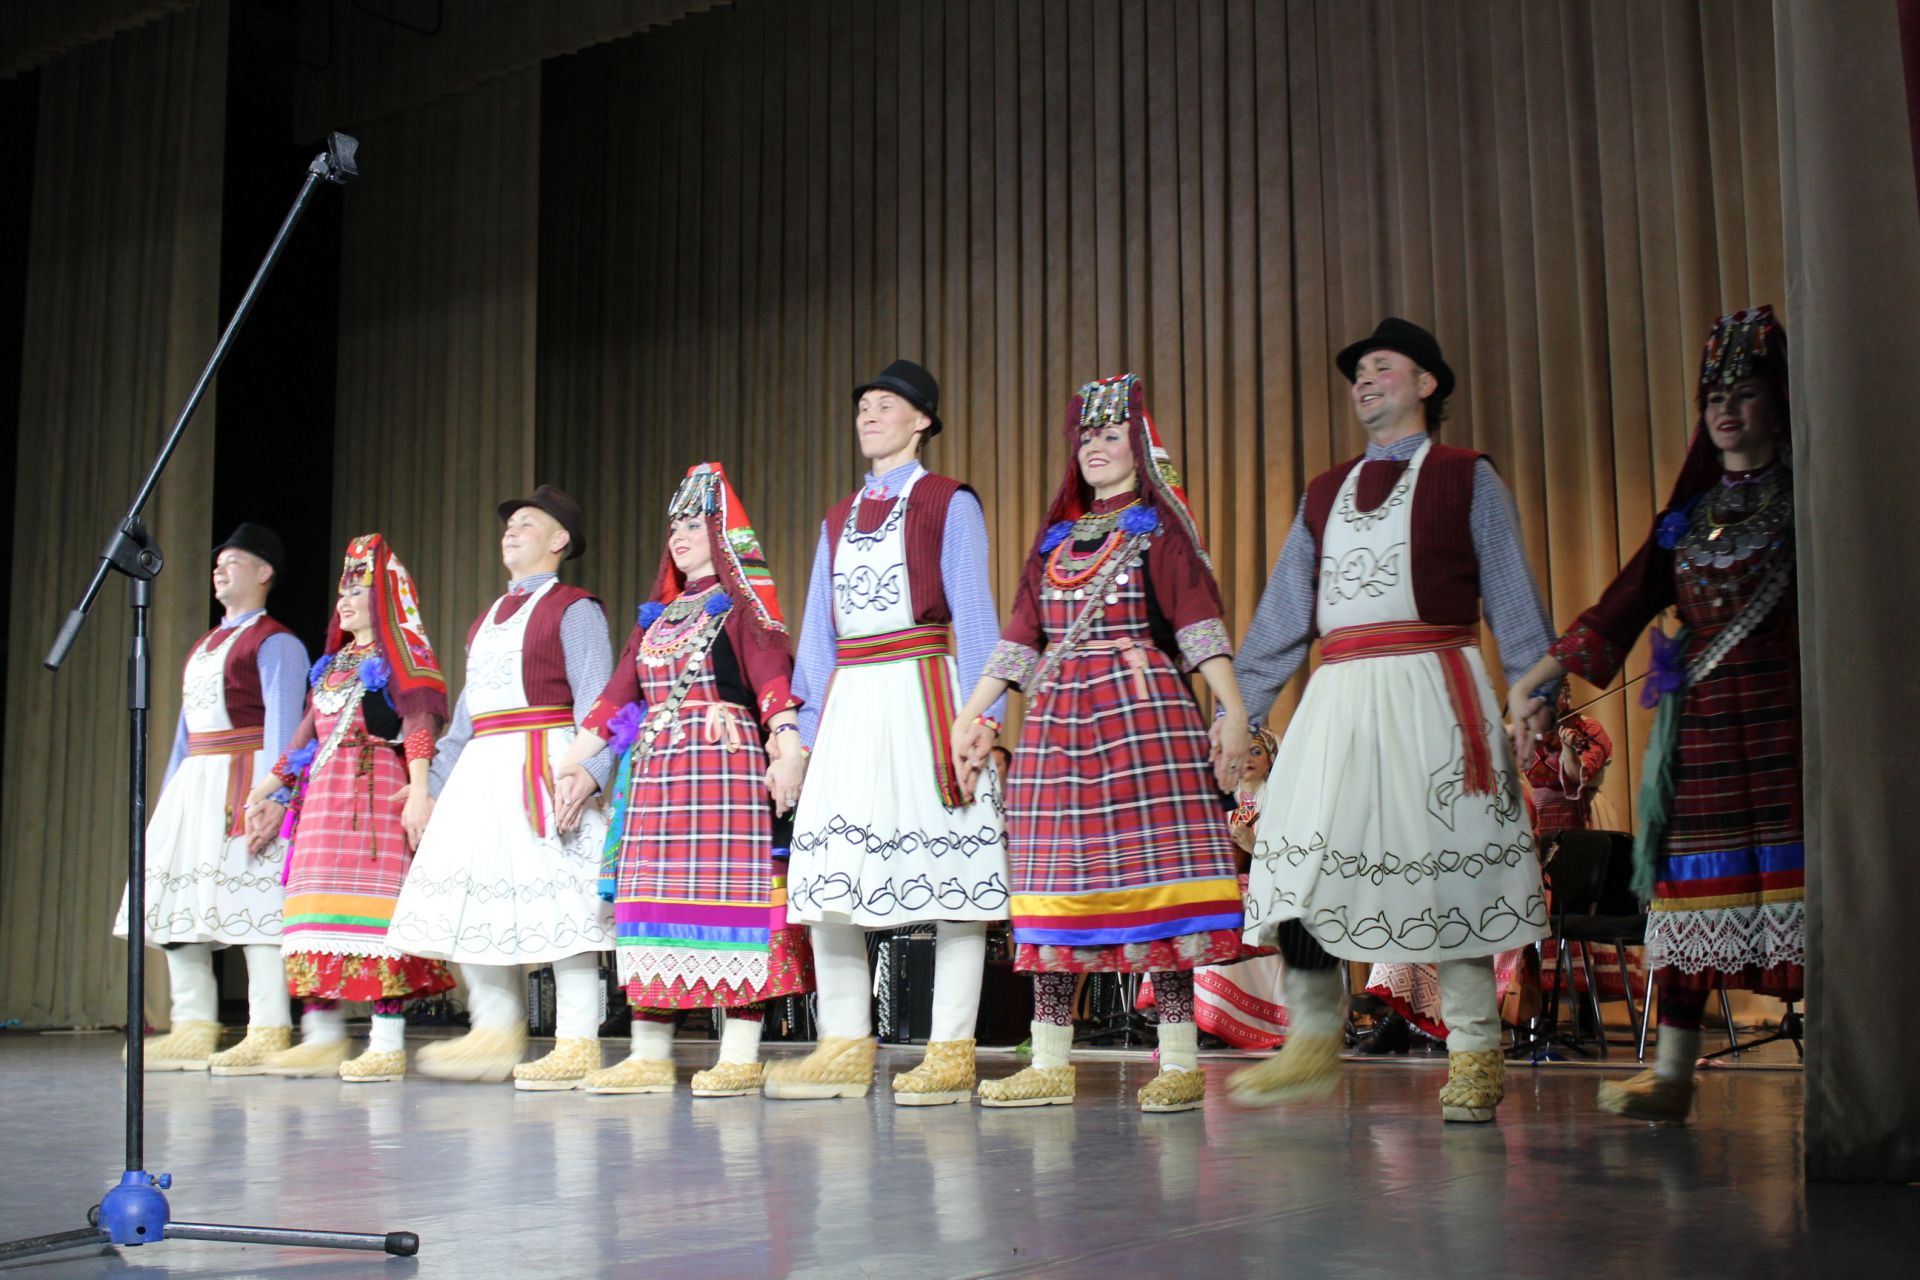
(1368, 1182)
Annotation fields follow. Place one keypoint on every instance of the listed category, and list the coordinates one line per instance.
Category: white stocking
(740, 1040)
(1316, 1000)
(1468, 1005)
(266, 986)
(843, 981)
(959, 967)
(190, 974)
(580, 999)
(496, 996)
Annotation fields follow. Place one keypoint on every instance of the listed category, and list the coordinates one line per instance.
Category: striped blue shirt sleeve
(1281, 631)
(282, 661)
(963, 571)
(1509, 597)
(813, 662)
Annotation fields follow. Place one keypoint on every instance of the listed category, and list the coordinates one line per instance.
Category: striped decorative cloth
(238, 745)
(1448, 643)
(928, 648)
(536, 780)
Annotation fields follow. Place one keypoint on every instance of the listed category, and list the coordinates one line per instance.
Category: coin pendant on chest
(1121, 580)
(1080, 593)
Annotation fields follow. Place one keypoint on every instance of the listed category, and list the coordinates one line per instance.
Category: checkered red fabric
(1110, 789)
(348, 861)
(1734, 840)
(698, 822)
(350, 839)
(698, 840)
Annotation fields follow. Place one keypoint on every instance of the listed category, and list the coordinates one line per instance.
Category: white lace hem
(1728, 939)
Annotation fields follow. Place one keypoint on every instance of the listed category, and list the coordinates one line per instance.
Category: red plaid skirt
(1728, 907)
(1116, 834)
(699, 917)
(345, 868)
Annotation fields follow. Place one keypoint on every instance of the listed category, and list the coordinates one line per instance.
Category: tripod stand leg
(14, 1250)
(401, 1244)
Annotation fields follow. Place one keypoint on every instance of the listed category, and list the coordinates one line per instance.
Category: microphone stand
(135, 1211)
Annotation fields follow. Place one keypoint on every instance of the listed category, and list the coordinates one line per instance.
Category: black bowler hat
(911, 381)
(257, 540)
(561, 507)
(1411, 341)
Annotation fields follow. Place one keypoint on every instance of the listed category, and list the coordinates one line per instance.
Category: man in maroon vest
(900, 622)
(213, 870)
(496, 886)
(1392, 827)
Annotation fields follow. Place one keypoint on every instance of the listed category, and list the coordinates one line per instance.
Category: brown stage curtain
(435, 385)
(36, 32)
(359, 62)
(745, 212)
(1856, 255)
(121, 311)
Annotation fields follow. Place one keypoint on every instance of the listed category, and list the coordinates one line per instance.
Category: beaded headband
(698, 495)
(1745, 344)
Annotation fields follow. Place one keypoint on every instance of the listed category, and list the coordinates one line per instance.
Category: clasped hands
(1528, 721)
(1229, 740)
(574, 786)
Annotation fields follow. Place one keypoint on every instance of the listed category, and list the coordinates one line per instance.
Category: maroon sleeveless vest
(1446, 571)
(926, 531)
(543, 660)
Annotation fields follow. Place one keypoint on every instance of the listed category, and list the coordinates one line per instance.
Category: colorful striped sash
(536, 776)
(927, 648)
(238, 745)
(1449, 644)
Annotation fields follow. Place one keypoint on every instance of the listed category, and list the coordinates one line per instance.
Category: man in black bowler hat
(1392, 828)
(899, 623)
(213, 869)
(496, 886)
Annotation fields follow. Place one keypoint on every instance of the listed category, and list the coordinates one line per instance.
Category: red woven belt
(1449, 644)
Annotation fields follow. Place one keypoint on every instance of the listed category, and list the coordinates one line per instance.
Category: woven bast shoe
(1173, 1090)
(249, 1057)
(944, 1076)
(1648, 1097)
(185, 1048)
(633, 1075)
(1476, 1081)
(485, 1055)
(375, 1066)
(1030, 1087)
(838, 1067)
(729, 1079)
(1307, 1066)
(570, 1063)
(308, 1058)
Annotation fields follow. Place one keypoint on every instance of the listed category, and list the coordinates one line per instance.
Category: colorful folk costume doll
(1393, 827)
(1243, 1001)
(377, 703)
(1120, 860)
(1719, 849)
(497, 886)
(697, 700)
(208, 883)
(899, 614)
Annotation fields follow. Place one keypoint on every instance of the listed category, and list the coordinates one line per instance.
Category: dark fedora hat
(910, 380)
(257, 540)
(556, 503)
(1411, 341)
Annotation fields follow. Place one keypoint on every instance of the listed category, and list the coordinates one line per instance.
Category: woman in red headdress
(1719, 851)
(701, 707)
(378, 702)
(1120, 858)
